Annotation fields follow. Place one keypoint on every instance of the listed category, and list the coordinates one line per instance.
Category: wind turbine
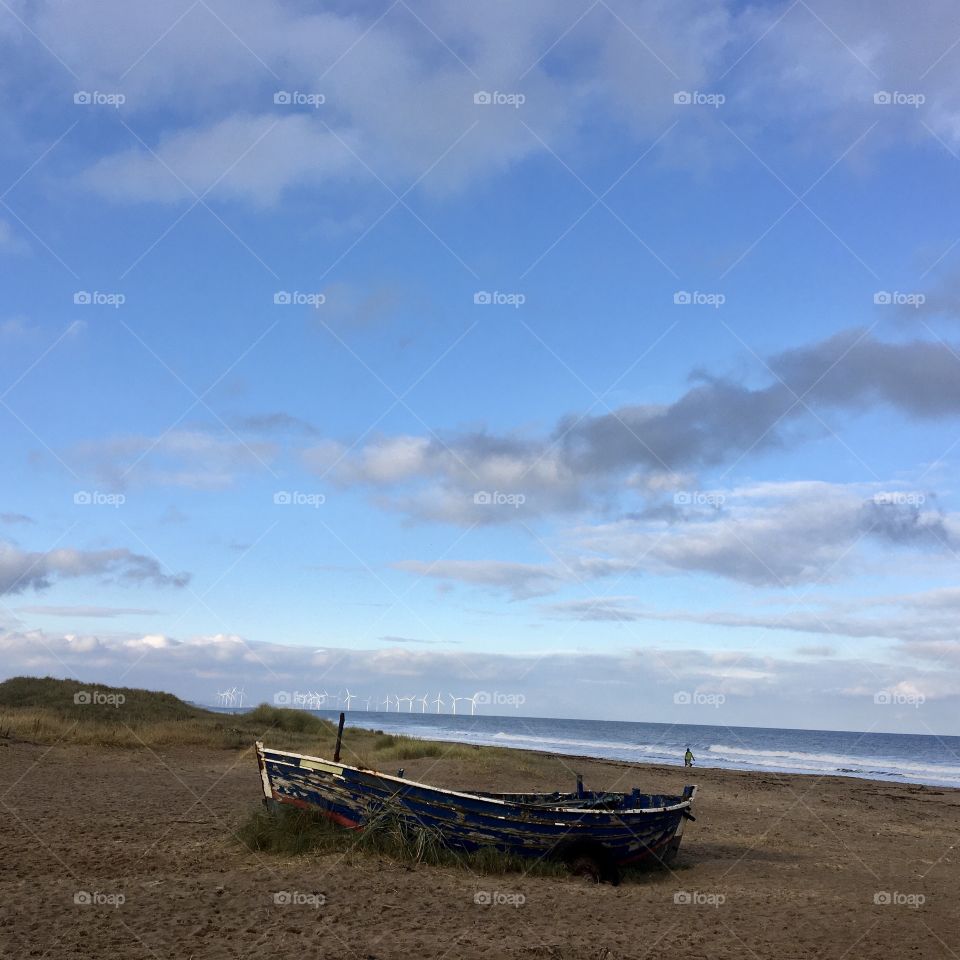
(408, 699)
(368, 703)
(423, 702)
(473, 704)
(438, 702)
(349, 698)
(455, 699)
(240, 694)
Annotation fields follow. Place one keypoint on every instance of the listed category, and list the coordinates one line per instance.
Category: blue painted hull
(627, 828)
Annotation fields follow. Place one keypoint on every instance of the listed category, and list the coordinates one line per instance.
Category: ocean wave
(781, 752)
(585, 744)
(824, 762)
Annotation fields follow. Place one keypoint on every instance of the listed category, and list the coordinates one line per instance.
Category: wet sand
(112, 853)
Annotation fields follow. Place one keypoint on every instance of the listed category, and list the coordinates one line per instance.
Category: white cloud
(551, 685)
(402, 87)
(520, 580)
(190, 458)
(773, 534)
(10, 240)
(254, 157)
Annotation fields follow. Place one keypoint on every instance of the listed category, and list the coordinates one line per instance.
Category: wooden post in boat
(336, 753)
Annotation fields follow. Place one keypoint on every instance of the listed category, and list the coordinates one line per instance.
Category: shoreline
(700, 764)
(690, 773)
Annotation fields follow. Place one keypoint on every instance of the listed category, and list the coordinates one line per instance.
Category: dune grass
(47, 710)
(74, 700)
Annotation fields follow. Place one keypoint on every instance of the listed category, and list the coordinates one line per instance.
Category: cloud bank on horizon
(555, 349)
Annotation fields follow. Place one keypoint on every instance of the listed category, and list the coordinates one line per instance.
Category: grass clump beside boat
(291, 831)
(283, 718)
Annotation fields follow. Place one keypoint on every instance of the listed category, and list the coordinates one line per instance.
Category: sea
(901, 757)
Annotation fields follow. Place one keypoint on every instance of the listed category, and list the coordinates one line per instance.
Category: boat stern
(264, 776)
(689, 792)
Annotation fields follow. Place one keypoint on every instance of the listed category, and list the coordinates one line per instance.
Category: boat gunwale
(684, 804)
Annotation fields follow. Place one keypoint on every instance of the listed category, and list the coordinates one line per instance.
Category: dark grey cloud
(22, 570)
(905, 524)
(711, 422)
(391, 639)
(275, 423)
(718, 419)
(13, 518)
(91, 612)
(920, 378)
(583, 460)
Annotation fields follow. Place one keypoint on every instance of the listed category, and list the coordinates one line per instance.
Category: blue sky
(747, 498)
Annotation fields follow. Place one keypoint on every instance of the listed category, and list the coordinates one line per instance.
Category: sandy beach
(121, 853)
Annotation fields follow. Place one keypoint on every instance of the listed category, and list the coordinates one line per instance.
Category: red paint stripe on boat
(329, 814)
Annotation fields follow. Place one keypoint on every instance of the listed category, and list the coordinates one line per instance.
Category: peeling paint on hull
(641, 826)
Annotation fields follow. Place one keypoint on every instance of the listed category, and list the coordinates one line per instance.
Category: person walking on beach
(688, 758)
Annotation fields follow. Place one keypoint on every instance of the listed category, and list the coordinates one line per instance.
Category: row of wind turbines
(320, 699)
(230, 698)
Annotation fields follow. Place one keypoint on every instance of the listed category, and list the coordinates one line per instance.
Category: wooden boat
(607, 830)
